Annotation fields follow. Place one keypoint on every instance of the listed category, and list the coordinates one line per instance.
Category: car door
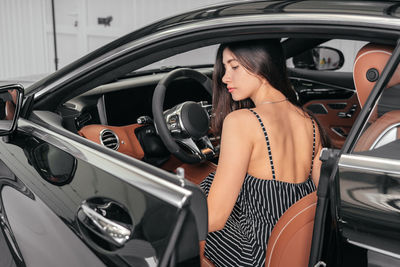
(369, 189)
(365, 183)
(68, 203)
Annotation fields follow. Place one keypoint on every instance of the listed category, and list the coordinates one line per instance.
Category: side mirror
(319, 58)
(10, 105)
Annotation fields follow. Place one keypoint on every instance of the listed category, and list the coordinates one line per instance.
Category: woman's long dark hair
(264, 58)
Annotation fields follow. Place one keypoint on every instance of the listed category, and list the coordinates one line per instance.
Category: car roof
(258, 7)
(240, 8)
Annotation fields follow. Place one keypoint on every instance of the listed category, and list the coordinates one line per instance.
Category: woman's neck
(268, 95)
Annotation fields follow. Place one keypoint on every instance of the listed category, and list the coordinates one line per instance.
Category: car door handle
(98, 219)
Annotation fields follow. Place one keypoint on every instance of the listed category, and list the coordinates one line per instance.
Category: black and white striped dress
(243, 240)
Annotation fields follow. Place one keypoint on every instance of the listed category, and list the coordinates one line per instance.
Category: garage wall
(27, 46)
(23, 43)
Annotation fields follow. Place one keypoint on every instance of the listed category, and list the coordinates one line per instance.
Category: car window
(201, 56)
(206, 56)
(348, 48)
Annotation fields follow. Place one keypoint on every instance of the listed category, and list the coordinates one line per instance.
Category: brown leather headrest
(368, 66)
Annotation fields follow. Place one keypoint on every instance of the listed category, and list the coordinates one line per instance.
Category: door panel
(153, 204)
(370, 200)
(331, 98)
(39, 232)
(337, 117)
(342, 80)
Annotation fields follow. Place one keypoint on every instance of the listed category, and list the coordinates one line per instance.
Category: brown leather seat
(368, 66)
(383, 130)
(290, 240)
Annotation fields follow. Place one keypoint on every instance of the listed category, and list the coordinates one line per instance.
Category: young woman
(269, 152)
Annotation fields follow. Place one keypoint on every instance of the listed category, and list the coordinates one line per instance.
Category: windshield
(201, 56)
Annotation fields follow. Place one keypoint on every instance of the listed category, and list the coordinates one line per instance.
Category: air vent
(109, 139)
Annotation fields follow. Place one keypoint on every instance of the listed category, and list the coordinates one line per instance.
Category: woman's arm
(234, 158)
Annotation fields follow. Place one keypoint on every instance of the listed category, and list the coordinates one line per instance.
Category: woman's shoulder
(238, 115)
(238, 120)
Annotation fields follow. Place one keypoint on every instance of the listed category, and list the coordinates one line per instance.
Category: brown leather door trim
(331, 121)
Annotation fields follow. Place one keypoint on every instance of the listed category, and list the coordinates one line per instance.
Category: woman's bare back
(290, 132)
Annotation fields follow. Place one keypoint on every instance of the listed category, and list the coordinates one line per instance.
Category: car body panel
(59, 204)
(38, 231)
(369, 209)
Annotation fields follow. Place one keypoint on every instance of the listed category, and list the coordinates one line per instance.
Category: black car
(100, 161)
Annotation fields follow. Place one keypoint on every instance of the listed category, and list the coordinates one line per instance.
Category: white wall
(23, 40)
(26, 45)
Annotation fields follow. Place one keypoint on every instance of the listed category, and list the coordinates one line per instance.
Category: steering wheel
(184, 128)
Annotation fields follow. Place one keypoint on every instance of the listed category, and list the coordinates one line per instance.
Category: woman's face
(241, 83)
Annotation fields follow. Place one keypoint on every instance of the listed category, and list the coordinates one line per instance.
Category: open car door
(364, 180)
(68, 203)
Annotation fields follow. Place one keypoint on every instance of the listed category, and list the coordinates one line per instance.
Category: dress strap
(313, 148)
(268, 145)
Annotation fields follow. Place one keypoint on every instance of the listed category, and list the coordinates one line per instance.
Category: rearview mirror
(10, 105)
(319, 58)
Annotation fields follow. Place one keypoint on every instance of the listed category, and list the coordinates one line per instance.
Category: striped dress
(243, 240)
